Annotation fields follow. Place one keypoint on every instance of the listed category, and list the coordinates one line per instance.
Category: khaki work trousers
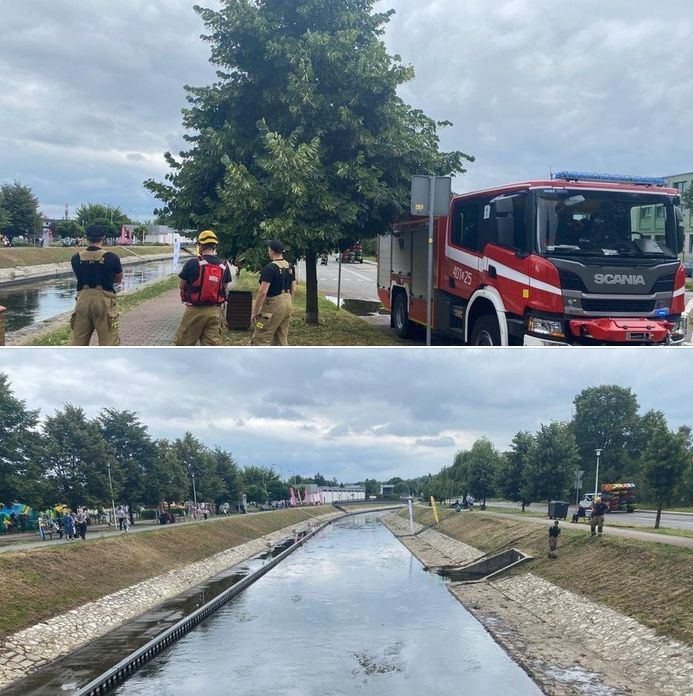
(95, 310)
(201, 324)
(272, 326)
(597, 520)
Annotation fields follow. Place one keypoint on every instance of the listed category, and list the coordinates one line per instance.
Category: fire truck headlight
(678, 333)
(545, 327)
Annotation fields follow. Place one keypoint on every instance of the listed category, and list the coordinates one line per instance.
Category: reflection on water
(29, 303)
(350, 613)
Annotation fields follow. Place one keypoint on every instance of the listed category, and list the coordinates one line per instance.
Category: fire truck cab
(580, 259)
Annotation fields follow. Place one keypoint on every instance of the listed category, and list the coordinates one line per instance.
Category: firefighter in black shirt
(97, 271)
(273, 303)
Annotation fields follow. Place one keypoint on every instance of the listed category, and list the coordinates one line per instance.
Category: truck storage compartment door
(419, 271)
(384, 260)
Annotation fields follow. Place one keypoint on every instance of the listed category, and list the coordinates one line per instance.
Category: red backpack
(208, 289)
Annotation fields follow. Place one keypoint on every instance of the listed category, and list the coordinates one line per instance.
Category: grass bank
(44, 582)
(10, 257)
(126, 302)
(650, 582)
(336, 327)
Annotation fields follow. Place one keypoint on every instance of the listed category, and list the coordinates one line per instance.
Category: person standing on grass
(120, 516)
(554, 532)
(598, 511)
(273, 303)
(203, 284)
(97, 271)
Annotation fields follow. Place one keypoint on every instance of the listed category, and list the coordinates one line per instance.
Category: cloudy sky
(348, 413)
(90, 93)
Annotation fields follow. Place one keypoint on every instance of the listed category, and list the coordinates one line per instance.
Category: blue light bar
(611, 178)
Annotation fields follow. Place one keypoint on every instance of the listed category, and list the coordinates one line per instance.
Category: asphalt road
(359, 280)
(670, 520)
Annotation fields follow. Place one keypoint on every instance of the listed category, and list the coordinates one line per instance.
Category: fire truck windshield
(581, 222)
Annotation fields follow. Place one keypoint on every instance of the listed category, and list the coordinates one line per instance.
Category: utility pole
(598, 452)
(194, 491)
(110, 483)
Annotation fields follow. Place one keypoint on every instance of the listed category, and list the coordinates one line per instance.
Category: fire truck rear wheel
(485, 331)
(400, 316)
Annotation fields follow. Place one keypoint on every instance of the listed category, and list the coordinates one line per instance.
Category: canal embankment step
(483, 568)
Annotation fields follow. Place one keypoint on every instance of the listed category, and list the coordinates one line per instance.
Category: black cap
(276, 246)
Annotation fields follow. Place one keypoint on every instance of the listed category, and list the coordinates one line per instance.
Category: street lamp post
(110, 483)
(598, 452)
(194, 491)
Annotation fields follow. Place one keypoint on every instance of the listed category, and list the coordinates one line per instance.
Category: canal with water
(33, 301)
(350, 613)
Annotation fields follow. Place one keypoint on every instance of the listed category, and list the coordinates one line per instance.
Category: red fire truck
(579, 258)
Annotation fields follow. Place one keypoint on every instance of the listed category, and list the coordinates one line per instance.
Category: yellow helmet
(207, 237)
(597, 500)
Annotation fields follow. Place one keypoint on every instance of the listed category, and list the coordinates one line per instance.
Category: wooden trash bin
(239, 307)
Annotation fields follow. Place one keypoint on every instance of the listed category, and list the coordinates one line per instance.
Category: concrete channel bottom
(69, 673)
(483, 568)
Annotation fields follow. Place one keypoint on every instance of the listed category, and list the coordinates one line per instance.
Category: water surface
(351, 612)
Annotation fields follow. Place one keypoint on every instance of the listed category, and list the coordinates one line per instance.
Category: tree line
(541, 465)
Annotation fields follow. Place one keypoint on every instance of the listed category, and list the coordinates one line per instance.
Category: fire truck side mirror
(678, 213)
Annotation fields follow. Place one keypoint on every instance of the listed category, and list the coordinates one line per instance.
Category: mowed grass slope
(650, 582)
(10, 257)
(44, 582)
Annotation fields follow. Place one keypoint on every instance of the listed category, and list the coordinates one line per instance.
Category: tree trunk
(311, 287)
(659, 514)
(523, 506)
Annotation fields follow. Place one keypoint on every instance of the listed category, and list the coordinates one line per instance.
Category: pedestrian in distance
(578, 514)
(273, 303)
(554, 533)
(120, 516)
(81, 523)
(598, 511)
(98, 272)
(202, 284)
(69, 522)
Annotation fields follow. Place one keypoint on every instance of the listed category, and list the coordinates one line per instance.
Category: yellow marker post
(435, 510)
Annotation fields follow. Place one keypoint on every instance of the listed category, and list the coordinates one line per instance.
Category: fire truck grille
(635, 306)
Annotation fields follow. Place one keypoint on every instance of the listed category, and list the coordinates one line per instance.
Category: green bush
(149, 514)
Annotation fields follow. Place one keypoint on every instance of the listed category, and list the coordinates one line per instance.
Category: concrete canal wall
(26, 651)
(565, 642)
(23, 274)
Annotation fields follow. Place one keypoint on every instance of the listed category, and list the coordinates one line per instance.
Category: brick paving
(152, 323)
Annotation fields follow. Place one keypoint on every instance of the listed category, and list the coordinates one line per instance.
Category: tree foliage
(21, 215)
(510, 474)
(303, 136)
(111, 216)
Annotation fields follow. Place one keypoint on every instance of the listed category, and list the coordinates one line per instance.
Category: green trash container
(558, 509)
(239, 308)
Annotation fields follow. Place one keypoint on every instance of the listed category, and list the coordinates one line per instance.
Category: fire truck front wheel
(400, 316)
(485, 331)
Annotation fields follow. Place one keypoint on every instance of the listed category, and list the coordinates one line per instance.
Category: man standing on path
(81, 523)
(202, 285)
(553, 539)
(97, 272)
(598, 512)
(272, 310)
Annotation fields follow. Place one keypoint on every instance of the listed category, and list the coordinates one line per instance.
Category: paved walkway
(608, 530)
(152, 323)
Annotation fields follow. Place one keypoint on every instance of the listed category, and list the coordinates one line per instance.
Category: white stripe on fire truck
(680, 291)
(482, 264)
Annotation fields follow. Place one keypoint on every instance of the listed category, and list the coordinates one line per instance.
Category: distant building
(387, 489)
(159, 234)
(337, 494)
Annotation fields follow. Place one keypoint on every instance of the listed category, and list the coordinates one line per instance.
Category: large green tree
(665, 457)
(606, 418)
(510, 475)
(134, 453)
(303, 136)
(20, 471)
(482, 464)
(550, 462)
(76, 458)
(110, 216)
(21, 217)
